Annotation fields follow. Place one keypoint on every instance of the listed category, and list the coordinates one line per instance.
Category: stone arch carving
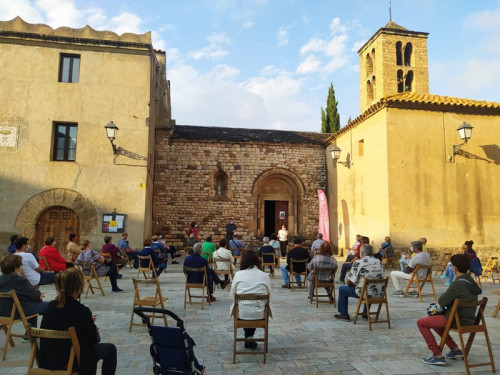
(279, 174)
(34, 206)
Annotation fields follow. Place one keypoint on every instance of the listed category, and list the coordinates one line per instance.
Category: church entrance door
(275, 215)
(57, 222)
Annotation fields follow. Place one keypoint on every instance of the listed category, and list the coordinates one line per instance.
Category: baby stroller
(171, 348)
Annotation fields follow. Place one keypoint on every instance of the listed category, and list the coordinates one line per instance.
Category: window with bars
(64, 142)
(69, 68)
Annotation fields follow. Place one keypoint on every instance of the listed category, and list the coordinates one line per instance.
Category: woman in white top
(283, 237)
(223, 253)
(250, 280)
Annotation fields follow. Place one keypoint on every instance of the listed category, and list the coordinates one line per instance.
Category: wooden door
(281, 215)
(57, 222)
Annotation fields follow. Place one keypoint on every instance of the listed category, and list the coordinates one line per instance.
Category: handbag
(435, 309)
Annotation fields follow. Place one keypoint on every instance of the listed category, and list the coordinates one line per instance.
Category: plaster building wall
(185, 187)
(115, 78)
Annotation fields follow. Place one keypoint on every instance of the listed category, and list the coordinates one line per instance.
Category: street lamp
(335, 151)
(465, 133)
(111, 129)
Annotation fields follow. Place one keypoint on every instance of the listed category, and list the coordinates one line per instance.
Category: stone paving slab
(303, 339)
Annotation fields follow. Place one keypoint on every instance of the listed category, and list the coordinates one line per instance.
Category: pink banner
(324, 219)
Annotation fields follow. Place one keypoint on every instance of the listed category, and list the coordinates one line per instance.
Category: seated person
(466, 290)
(102, 266)
(405, 258)
(276, 246)
(223, 253)
(158, 262)
(191, 240)
(419, 258)
(30, 266)
(73, 248)
(356, 246)
(195, 260)
(64, 312)
(368, 267)
(475, 264)
(385, 246)
(208, 249)
(12, 247)
(297, 253)
(29, 297)
(348, 264)
(236, 245)
(54, 259)
(317, 243)
(110, 248)
(157, 244)
(267, 253)
(323, 260)
(250, 280)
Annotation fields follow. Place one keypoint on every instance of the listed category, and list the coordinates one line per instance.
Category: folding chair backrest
(201, 270)
(379, 298)
(146, 269)
(321, 274)
(17, 312)
(222, 260)
(70, 334)
(297, 261)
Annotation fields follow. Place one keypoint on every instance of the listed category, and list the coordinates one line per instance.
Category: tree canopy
(330, 119)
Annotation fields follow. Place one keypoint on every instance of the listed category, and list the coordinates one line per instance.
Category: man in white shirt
(419, 258)
(32, 270)
(223, 253)
(316, 244)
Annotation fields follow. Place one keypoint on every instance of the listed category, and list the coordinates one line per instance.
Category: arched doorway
(58, 222)
(279, 195)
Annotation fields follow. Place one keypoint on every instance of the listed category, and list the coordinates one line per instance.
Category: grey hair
(198, 248)
(367, 249)
(265, 240)
(320, 236)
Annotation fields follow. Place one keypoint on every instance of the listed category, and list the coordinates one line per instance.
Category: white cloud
(247, 24)
(310, 65)
(60, 13)
(11, 9)
(476, 77)
(126, 23)
(213, 50)
(282, 36)
(157, 41)
(487, 23)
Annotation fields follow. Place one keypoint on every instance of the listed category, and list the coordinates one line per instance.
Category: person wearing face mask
(230, 229)
(54, 259)
(32, 270)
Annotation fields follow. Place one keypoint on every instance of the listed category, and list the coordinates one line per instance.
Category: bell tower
(393, 60)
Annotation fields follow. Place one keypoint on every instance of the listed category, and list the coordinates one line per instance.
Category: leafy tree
(330, 119)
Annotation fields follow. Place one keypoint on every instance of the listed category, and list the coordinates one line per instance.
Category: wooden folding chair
(443, 262)
(364, 298)
(387, 261)
(300, 274)
(203, 286)
(419, 283)
(453, 324)
(223, 272)
(237, 258)
(44, 264)
(491, 268)
(146, 270)
(36, 333)
(320, 273)
(88, 267)
(239, 323)
(271, 264)
(149, 301)
(16, 316)
(497, 292)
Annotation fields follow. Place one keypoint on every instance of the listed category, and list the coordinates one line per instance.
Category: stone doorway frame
(30, 212)
(295, 190)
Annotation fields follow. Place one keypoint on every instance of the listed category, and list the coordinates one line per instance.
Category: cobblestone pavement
(303, 339)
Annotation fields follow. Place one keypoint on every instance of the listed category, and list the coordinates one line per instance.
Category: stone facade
(255, 167)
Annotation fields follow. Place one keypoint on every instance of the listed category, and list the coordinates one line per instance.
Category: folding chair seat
(443, 262)
(364, 298)
(419, 283)
(88, 267)
(497, 292)
(16, 316)
(155, 301)
(387, 261)
(294, 273)
(146, 270)
(223, 272)
(237, 258)
(271, 264)
(239, 323)
(203, 286)
(453, 324)
(491, 268)
(36, 333)
(44, 264)
(320, 273)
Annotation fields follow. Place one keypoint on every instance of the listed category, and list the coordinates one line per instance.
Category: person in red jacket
(54, 259)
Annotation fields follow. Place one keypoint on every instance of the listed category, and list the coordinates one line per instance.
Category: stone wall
(185, 187)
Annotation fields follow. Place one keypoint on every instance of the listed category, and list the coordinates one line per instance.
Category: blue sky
(268, 63)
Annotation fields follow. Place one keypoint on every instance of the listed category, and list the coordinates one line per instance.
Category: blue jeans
(286, 279)
(39, 308)
(346, 291)
(402, 263)
(345, 267)
(47, 278)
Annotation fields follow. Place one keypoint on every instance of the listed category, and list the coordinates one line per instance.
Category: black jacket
(298, 253)
(28, 296)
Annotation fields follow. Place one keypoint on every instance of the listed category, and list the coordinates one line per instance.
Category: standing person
(193, 229)
(54, 259)
(223, 253)
(64, 312)
(12, 247)
(102, 267)
(230, 230)
(110, 248)
(283, 237)
(73, 248)
(324, 259)
(466, 290)
(29, 297)
(250, 280)
(32, 270)
(317, 243)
